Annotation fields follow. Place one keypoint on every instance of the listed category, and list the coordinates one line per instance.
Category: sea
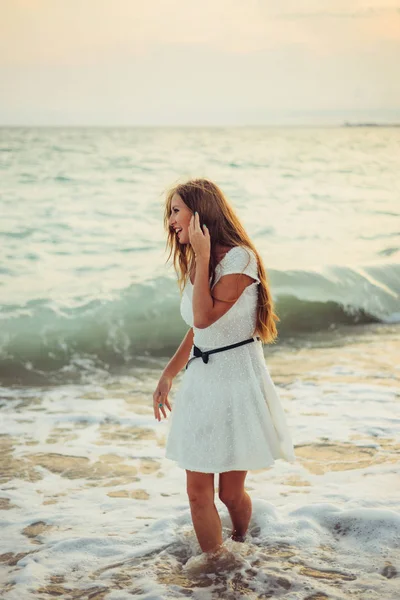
(90, 508)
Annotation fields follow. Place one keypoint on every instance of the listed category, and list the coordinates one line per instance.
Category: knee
(231, 498)
(199, 497)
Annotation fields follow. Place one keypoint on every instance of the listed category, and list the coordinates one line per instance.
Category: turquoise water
(83, 274)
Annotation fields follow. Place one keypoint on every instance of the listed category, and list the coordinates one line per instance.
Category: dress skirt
(227, 415)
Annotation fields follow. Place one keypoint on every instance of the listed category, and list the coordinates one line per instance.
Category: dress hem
(230, 468)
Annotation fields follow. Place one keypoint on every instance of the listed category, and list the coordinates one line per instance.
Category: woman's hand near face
(160, 396)
(199, 238)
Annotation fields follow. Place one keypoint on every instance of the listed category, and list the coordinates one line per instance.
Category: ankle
(238, 537)
(216, 551)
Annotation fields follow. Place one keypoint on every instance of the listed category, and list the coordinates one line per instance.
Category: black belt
(204, 355)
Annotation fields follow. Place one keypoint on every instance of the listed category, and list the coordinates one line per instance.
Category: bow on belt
(197, 353)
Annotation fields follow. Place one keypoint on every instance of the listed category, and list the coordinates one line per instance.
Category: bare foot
(220, 550)
(238, 538)
(218, 560)
(223, 559)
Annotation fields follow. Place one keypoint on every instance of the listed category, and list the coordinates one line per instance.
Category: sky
(198, 62)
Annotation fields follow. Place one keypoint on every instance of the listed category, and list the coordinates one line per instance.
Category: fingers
(156, 395)
(194, 223)
(194, 219)
(197, 220)
(157, 400)
(191, 227)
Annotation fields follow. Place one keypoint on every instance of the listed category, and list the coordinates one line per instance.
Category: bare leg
(205, 517)
(237, 501)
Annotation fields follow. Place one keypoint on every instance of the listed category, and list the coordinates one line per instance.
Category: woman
(227, 415)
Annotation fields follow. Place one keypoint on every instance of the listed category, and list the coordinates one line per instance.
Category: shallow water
(92, 509)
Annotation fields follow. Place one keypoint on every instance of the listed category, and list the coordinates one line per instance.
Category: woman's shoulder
(221, 252)
(237, 254)
(239, 259)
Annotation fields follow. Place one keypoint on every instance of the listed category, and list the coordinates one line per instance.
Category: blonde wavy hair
(215, 211)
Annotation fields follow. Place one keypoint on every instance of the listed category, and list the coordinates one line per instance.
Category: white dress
(226, 414)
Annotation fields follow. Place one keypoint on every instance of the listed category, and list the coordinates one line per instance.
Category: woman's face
(180, 218)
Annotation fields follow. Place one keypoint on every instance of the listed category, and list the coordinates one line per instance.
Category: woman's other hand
(160, 396)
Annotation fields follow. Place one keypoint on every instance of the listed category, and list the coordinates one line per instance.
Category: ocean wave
(143, 320)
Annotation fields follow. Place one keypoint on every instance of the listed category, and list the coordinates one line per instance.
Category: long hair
(225, 228)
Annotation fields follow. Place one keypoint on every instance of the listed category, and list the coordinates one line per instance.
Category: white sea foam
(94, 501)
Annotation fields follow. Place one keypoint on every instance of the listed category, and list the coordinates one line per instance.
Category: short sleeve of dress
(238, 260)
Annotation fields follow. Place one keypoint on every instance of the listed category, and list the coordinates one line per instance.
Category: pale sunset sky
(198, 62)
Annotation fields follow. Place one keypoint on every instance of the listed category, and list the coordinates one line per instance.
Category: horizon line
(346, 123)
